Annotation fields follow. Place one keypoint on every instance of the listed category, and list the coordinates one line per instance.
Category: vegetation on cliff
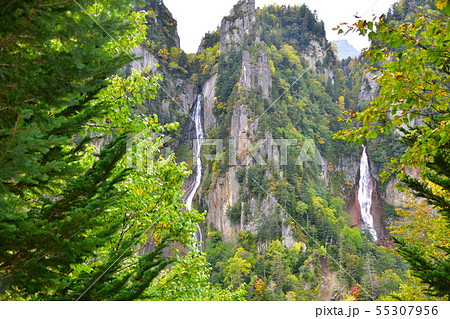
(414, 77)
(91, 199)
(74, 218)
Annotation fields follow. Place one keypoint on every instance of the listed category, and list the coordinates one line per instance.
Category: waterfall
(365, 194)
(199, 138)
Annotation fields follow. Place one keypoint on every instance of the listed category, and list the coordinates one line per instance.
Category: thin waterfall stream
(199, 138)
(365, 194)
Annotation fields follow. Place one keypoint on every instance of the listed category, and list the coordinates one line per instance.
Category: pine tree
(56, 57)
(433, 271)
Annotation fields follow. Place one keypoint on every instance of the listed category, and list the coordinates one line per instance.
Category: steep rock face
(353, 208)
(391, 195)
(259, 209)
(314, 56)
(237, 26)
(349, 167)
(286, 231)
(224, 195)
(226, 191)
(369, 88)
(270, 151)
(187, 97)
(161, 26)
(258, 73)
(147, 60)
(176, 94)
(209, 92)
(255, 74)
(241, 131)
(184, 91)
(377, 211)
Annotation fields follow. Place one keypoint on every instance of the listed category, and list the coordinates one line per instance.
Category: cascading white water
(365, 194)
(199, 138)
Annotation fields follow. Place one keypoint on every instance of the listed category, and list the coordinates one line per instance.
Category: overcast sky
(197, 17)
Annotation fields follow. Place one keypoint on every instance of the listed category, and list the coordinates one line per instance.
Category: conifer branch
(54, 3)
(12, 138)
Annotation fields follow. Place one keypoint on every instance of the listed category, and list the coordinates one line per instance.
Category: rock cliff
(235, 31)
(236, 28)
(240, 34)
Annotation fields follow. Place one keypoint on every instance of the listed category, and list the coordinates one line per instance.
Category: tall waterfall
(199, 138)
(365, 194)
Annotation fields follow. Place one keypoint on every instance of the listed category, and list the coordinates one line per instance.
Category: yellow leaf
(440, 4)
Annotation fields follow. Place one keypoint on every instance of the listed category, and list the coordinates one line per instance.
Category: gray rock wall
(237, 26)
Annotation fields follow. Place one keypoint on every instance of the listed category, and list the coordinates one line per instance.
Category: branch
(12, 138)
(11, 38)
(123, 233)
(128, 266)
(106, 172)
(54, 3)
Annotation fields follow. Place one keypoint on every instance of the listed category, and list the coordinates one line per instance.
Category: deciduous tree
(414, 77)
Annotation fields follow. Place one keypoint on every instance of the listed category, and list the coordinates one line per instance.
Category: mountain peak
(345, 49)
(237, 25)
(243, 6)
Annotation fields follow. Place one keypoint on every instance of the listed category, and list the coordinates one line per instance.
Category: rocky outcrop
(257, 73)
(186, 98)
(349, 168)
(238, 26)
(269, 151)
(391, 194)
(145, 60)
(315, 57)
(236, 31)
(369, 88)
(223, 196)
(161, 26)
(209, 92)
(287, 234)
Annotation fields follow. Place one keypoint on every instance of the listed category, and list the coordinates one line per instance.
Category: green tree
(412, 290)
(275, 256)
(414, 99)
(72, 217)
(389, 282)
(237, 269)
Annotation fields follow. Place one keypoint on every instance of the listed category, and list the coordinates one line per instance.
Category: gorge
(260, 168)
(260, 84)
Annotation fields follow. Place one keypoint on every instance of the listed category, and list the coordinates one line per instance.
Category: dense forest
(100, 112)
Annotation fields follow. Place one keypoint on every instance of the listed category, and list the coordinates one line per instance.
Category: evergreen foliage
(55, 61)
(73, 218)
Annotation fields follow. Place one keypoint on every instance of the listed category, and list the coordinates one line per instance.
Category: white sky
(197, 17)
